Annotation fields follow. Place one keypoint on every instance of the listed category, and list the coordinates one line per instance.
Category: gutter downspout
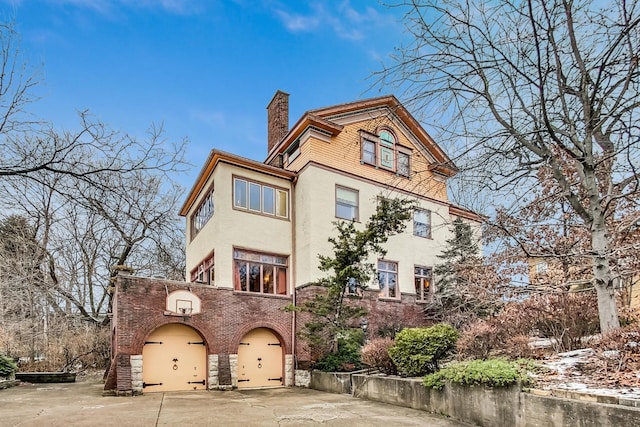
(293, 280)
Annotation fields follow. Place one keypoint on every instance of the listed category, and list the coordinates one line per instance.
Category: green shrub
(492, 372)
(417, 351)
(7, 366)
(347, 358)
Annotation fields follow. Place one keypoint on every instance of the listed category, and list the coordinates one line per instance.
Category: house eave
(307, 120)
(217, 156)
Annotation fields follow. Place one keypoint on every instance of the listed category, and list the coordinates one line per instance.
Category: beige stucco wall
(315, 216)
(229, 227)
(322, 164)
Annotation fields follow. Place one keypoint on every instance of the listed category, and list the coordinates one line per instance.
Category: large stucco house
(254, 231)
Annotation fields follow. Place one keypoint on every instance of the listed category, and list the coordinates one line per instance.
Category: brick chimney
(277, 119)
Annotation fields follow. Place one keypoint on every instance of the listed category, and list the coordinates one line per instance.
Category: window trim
(429, 224)
(391, 147)
(385, 290)
(421, 297)
(357, 205)
(399, 153)
(247, 208)
(207, 200)
(204, 272)
(258, 260)
(369, 140)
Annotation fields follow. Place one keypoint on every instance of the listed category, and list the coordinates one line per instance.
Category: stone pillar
(233, 367)
(213, 381)
(136, 373)
(288, 370)
(303, 378)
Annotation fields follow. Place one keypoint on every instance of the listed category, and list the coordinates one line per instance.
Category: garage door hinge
(243, 381)
(275, 379)
(244, 343)
(196, 382)
(277, 343)
(193, 342)
(152, 342)
(149, 384)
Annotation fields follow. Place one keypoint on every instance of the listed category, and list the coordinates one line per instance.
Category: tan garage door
(260, 360)
(174, 359)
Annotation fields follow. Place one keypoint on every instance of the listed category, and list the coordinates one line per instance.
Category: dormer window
(383, 151)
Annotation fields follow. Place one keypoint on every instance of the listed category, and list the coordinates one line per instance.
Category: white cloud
(296, 22)
(341, 17)
(106, 7)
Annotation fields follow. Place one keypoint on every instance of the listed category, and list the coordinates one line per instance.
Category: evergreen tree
(349, 273)
(461, 293)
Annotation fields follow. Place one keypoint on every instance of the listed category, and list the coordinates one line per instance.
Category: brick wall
(383, 315)
(277, 119)
(226, 316)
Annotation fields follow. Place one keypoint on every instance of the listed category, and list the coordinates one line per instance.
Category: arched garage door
(260, 360)
(173, 359)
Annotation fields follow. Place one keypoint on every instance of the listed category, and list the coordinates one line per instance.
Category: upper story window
(260, 198)
(203, 213)
(404, 165)
(383, 151)
(388, 279)
(260, 273)
(293, 151)
(422, 278)
(422, 223)
(346, 203)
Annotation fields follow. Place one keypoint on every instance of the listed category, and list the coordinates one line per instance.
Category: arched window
(387, 149)
(383, 151)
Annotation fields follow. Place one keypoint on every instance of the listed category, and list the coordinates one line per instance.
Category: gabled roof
(322, 118)
(218, 156)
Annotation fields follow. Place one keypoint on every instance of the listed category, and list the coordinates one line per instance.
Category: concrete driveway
(82, 404)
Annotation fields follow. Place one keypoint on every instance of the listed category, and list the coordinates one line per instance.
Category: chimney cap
(277, 95)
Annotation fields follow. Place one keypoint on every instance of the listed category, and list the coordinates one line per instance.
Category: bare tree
(29, 145)
(531, 84)
(83, 231)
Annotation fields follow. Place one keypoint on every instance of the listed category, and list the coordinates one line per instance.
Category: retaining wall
(483, 406)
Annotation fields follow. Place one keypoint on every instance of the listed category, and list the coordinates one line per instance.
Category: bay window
(260, 273)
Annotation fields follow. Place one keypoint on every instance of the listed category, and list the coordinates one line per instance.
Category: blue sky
(206, 69)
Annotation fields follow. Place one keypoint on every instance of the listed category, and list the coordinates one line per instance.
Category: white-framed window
(346, 203)
(203, 213)
(422, 223)
(260, 198)
(369, 152)
(260, 273)
(423, 277)
(388, 279)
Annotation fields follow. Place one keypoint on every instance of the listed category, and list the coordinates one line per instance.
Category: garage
(173, 359)
(260, 360)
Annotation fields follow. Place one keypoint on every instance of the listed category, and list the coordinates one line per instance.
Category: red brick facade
(226, 317)
(140, 308)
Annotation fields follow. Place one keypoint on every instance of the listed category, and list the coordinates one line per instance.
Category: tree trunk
(604, 281)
